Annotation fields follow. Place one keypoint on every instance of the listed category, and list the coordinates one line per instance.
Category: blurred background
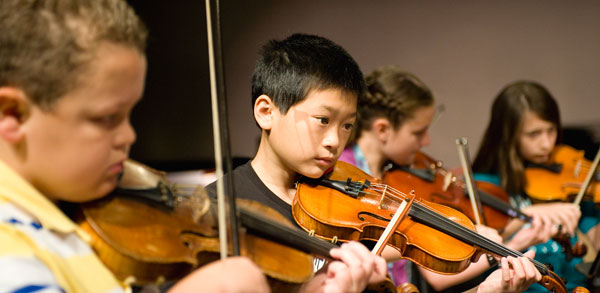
(465, 51)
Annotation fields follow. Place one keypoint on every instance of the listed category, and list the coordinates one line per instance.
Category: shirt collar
(17, 190)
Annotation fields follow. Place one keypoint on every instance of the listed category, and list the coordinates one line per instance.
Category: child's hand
(540, 231)
(489, 233)
(564, 214)
(355, 267)
(514, 278)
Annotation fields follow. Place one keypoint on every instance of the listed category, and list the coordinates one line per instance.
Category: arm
(218, 277)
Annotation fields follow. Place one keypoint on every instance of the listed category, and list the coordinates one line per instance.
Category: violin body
(435, 184)
(147, 242)
(561, 178)
(334, 216)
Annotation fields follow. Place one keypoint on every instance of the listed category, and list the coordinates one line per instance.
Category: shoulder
(19, 238)
(243, 172)
(50, 260)
(488, 177)
(348, 156)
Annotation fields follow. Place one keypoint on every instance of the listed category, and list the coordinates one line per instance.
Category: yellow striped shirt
(41, 248)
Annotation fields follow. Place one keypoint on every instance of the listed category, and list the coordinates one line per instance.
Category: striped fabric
(41, 250)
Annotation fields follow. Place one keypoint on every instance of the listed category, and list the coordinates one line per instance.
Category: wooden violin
(347, 204)
(150, 231)
(433, 183)
(561, 178)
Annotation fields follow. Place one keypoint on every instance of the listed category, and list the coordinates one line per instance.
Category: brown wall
(464, 50)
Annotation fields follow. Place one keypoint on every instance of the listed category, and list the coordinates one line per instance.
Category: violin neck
(421, 213)
(502, 206)
(295, 238)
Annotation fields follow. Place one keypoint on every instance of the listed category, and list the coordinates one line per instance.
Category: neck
(371, 149)
(273, 172)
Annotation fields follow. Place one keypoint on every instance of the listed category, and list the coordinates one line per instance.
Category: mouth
(115, 169)
(326, 161)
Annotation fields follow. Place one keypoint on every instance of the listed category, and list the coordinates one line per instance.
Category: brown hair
(393, 94)
(46, 44)
(498, 152)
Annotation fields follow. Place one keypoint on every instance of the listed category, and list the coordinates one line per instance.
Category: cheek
(525, 149)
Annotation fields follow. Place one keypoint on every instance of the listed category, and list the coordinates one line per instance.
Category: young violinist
(305, 91)
(70, 74)
(525, 128)
(395, 117)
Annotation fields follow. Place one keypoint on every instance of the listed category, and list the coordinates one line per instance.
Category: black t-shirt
(247, 185)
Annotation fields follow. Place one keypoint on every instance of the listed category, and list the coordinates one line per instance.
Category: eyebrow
(334, 110)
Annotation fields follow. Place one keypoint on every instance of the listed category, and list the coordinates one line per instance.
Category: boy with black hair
(305, 90)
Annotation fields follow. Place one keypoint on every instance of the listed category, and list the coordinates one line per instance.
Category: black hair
(289, 69)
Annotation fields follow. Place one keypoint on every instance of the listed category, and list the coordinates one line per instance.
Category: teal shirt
(551, 251)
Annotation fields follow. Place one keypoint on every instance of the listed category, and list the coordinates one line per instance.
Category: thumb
(530, 253)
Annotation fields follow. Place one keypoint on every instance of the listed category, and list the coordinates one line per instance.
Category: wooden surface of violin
(160, 235)
(433, 183)
(334, 216)
(561, 178)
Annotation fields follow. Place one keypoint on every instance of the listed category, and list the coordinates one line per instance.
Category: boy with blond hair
(70, 73)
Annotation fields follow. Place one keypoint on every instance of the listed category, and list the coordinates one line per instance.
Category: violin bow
(588, 179)
(399, 215)
(221, 131)
(463, 155)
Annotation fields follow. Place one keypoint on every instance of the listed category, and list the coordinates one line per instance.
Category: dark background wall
(466, 51)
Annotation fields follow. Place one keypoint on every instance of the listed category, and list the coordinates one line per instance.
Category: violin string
(486, 243)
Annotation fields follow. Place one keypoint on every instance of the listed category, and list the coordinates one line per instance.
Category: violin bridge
(382, 197)
(311, 233)
(448, 179)
(577, 169)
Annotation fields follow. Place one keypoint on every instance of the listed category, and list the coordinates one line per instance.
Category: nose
(125, 136)
(547, 141)
(331, 140)
(425, 140)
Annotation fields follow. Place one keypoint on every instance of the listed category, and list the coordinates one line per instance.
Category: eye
(107, 121)
(348, 126)
(533, 134)
(323, 120)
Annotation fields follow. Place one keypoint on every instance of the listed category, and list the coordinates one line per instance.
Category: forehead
(329, 99)
(114, 78)
(532, 121)
(421, 118)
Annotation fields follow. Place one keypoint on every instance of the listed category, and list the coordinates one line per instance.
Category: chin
(313, 172)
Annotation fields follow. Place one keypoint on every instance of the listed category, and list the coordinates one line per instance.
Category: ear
(382, 128)
(14, 109)
(264, 109)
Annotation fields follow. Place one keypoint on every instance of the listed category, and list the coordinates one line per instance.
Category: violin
(150, 231)
(561, 178)
(435, 184)
(348, 204)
